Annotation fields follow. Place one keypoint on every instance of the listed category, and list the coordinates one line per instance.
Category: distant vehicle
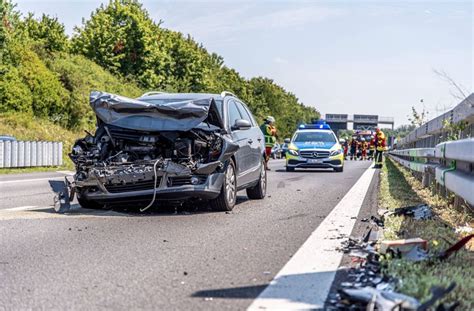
(276, 152)
(314, 146)
(7, 138)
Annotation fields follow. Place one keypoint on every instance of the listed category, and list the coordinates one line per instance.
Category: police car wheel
(339, 169)
(290, 169)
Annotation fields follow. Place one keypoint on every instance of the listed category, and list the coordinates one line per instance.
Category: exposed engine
(112, 146)
(114, 150)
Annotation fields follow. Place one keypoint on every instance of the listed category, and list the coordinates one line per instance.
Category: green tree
(48, 32)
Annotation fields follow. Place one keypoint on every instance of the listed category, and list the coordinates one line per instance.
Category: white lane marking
(69, 173)
(20, 208)
(29, 180)
(305, 280)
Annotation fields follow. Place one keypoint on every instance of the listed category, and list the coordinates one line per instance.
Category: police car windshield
(325, 137)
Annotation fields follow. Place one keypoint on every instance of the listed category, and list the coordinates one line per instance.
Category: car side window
(245, 113)
(234, 113)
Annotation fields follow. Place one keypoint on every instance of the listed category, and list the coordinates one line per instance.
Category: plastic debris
(402, 246)
(418, 212)
(464, 229)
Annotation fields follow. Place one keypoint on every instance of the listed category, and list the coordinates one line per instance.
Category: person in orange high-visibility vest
(372, 147)
(363, 146)
(270, 132)
(379, 147)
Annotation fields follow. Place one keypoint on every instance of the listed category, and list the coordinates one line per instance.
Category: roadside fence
(448, 165)
(30, 153)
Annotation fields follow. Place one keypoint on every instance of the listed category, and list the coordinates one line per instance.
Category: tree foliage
(120, 49)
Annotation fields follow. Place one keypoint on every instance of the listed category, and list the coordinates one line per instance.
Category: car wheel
(89, 204)
(339, 169)
(259, 191)
(226, 199)
(290, 169)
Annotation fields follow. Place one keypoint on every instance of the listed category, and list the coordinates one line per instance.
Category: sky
(355, 57)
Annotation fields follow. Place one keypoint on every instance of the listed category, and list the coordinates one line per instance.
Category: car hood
(140, 115)
(313, 145)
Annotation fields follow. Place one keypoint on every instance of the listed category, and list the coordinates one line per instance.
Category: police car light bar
(319, 125)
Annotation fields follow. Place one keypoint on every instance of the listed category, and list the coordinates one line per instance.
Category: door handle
(250, 141)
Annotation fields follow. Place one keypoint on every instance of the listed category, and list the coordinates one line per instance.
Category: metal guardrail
(431, 133)
(450, 164)
(30, 153)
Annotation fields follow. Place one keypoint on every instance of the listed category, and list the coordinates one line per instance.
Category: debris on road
(418, 212)
(402, 246)
(368, 288)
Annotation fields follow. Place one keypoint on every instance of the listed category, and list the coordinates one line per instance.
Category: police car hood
(314, 145)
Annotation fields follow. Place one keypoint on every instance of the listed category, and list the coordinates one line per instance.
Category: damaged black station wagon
(169, 146)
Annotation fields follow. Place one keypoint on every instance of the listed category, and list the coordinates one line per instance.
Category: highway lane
(160, 260)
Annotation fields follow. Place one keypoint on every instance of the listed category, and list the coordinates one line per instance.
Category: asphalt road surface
(160, 260)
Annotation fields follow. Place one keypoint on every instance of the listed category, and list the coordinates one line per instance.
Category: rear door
(255, 141)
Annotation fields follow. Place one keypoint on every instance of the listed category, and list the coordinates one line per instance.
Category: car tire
(339, 169)
(84, 203)
(226, 199)
(290, 169)
(259, 191)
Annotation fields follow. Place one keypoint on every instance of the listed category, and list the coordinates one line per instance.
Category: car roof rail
(152, 93)
(227, 93)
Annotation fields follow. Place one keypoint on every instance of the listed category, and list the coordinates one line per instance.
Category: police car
(314, 146)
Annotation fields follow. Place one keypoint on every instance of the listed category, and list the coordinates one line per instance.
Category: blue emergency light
(318, 125)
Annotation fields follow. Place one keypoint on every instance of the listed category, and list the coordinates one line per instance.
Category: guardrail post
(39, 148)
(60, 153)
(34, 154)
(14, 154)
(27, 153)
(2, 151)
(21, 154)
(8, 154)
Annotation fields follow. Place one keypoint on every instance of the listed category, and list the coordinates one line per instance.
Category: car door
(255, 140)
(240, 137)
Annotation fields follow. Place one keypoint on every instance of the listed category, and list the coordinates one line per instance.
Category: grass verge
(399, 188)
(27, 127)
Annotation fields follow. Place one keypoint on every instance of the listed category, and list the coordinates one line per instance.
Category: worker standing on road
(364, 146)
(379, 147)
(354, 148)
(371, 147)
(270, 132)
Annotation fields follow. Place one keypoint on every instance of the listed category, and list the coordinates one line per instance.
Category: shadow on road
(296, 288)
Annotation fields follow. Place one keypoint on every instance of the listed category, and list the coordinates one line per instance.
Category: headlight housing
(335, 152)
(293, 152)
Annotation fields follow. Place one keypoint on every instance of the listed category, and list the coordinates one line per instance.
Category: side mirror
(287, 140)
(241, 125)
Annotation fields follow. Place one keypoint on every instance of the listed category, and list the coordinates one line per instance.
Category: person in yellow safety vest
(270, 132)
(379, 147)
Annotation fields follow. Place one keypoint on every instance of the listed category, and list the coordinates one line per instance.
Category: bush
(80, 76)
(14, 94)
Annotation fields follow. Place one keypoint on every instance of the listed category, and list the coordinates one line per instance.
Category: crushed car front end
(142, 152)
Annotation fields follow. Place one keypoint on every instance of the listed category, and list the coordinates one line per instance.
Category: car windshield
(324, 137)
(164, 101)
